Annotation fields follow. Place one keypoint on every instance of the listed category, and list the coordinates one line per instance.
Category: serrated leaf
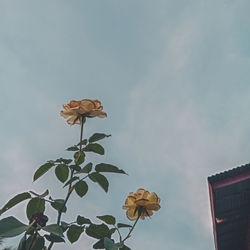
(42, 170)
(79, 158)
(81, 188)
(57, 204)
(98, 231)
(74, 148)
(11, 227)
(40, 195)
(86, 169)
(74, 233)
(97, 137)
(100, 179)
(35, 205)
(62, 172)
(120, 225)
(103, 167)
(109, 219)
(82, 220)
(71, 181)
(55, 229)
(14, 201)
(95, 148)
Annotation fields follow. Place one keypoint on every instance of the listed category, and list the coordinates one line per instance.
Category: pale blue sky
(173, 77)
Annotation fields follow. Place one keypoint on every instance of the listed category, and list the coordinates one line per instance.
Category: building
(230, 207)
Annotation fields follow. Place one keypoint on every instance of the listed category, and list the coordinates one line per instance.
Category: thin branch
(131, 229)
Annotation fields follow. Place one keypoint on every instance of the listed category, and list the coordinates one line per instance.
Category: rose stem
(83, 119)
(32, 241)
(131, 229)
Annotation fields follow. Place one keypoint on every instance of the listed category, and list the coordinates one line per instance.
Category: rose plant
(75, 174)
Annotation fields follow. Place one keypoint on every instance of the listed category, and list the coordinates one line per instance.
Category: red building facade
(230, 208)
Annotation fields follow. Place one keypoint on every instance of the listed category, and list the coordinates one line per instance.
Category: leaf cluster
(75, 175)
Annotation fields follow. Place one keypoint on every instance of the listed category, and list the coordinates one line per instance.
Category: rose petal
(130, 200)
(141, 193)
(87, 105)
(131, 214)
(73, 120)
(152, 206)
(141, 202)
(98, 113)
(74, 104)
(153, 197)
(149, 212)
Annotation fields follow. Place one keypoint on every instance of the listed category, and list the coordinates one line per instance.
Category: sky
(173, 77)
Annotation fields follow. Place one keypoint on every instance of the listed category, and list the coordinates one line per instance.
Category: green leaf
(54, 238)
(61, 160)
(22, 243)
(109, 219)
(79, 158)
(112, 230)
(55, 229)
(98, 231)
(75, 167)
(57, 204)
(82, 220)
(110, 245)
(40, 195)
(74, 148)
(125, 248)
(103, 167)
(120, 225)
(10, 227)
(38, 244)
(81, 188)
(42, 170)
(83, 142)
(99, 244)
(74, 233)
(35, 205)
(100, 179)
(94, 147)
(14, 201)
(86, 169)
(71, 180)
(62, 172)
(64, 226)
(66, 161)
(97, 137)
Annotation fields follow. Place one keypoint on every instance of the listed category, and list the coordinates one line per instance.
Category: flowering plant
(75, 174)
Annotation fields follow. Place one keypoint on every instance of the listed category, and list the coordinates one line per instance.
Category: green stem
(83, 120)
(70, 189)
(32, 241)
(120, 236)
(131, 229)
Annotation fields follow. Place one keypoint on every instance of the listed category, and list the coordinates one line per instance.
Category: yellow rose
(89, 108)
(141, 204)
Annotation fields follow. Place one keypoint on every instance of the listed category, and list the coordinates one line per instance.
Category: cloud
(171, 132)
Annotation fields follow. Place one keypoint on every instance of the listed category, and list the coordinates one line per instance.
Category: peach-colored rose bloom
(90, 108)
(143, 200)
